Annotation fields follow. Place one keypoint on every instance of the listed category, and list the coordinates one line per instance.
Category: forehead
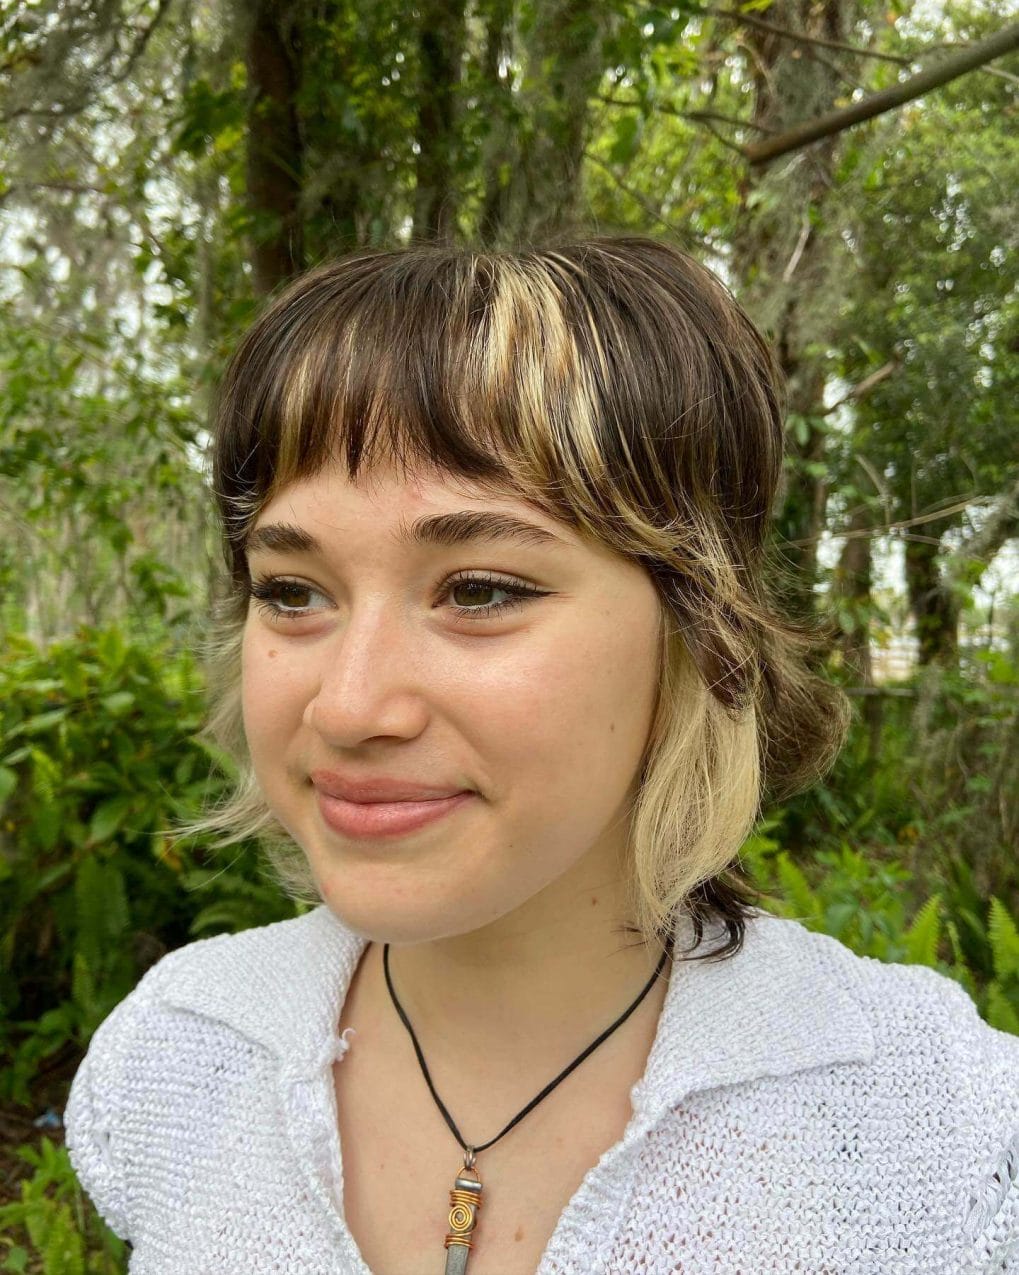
(419, 507)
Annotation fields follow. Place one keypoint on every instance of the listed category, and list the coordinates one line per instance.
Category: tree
(933, 295)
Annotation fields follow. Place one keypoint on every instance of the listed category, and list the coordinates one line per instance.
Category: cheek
(270, 695)
(578, 713)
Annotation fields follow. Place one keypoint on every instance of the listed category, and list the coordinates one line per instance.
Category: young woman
(507, 689)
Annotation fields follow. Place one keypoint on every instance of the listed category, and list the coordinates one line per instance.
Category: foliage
(97, 757)
(90, 437)
(871, 910)
(67, 1236)
(931, 233)
(908, 854)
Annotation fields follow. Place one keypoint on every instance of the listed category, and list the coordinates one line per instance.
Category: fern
(924, 935)
(999, 1011)
(806, 903)
(64, 1251)
(1004, 940)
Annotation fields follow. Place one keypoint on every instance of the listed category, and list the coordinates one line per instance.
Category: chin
(387, 912)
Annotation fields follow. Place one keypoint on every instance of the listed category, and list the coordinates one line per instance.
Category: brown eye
(281, 598)
(290, 594)
(468, 589)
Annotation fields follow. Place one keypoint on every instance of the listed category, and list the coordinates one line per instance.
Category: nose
(367, 683)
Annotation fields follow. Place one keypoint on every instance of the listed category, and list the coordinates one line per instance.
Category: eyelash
(264, 590)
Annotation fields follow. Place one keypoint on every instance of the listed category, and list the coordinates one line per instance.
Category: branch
(853, 533)
(141, 42)
(833, 122)
(699, 116)
(683, 232)
(706, 116)
(880, 486)
(801, 244)
(1002, 524)
(86, 92)
(784, 33)
(76, 188)
(865, 386)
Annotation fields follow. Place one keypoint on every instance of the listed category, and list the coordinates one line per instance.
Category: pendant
(464, 1202)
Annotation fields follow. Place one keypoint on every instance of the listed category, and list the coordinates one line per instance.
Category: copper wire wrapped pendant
(464, 1203)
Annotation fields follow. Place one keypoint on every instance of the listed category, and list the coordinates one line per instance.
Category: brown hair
(615, 384)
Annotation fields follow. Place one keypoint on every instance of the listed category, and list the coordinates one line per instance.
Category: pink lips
(355, 787)
(384, 818)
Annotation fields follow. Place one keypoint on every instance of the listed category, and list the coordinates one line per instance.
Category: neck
(546, 979)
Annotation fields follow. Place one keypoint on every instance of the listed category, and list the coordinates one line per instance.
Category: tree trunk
(851, 585)
(441, 40)
(933, 605)
(803, 495)
(496, 157)
(563, 68)
(784, 263)
(274, 143)
(851, 590)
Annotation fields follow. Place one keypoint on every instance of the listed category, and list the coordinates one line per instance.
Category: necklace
(465, 1197)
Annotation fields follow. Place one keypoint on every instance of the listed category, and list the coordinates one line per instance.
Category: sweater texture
(803, 1109)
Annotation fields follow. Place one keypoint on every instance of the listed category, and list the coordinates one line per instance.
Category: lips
(378, 788)
(357, 820)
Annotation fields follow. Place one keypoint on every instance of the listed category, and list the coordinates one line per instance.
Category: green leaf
(838, 916)
(101, 911)
(220, 756)
(118, 703)
(1004, 939)
(17, 1260)
(39, 722)
(797, 891)
(924, 934)
(64, 1253)
(42, 685)
(800, 427)
(999, 1012)
(8, 782)
(626, 140)
(108, 816)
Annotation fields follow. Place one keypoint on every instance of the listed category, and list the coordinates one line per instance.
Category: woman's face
(541, 709)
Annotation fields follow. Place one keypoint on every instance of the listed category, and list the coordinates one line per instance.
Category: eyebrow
(436, 529)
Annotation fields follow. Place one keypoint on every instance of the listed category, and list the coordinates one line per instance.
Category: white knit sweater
(803, 1109)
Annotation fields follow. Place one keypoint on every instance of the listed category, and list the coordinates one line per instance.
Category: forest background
(850, 168)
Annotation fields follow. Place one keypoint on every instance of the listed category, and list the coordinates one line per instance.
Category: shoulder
(196, 1039)
(132, 1066)
(943, 1072)
(913, 1007)
(918, 1015)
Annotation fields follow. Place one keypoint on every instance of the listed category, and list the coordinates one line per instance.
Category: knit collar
(772, 1009)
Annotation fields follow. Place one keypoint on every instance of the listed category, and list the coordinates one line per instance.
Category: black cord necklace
(465, 1197)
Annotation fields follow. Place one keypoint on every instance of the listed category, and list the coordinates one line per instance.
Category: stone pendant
(464, 1203)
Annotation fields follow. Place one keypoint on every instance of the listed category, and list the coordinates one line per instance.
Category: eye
(283, 598)
(518, 593)
(278, 596)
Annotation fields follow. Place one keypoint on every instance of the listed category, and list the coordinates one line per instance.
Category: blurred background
(849, 168)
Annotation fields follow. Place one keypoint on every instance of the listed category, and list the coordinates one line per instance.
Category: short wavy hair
(616, 385)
